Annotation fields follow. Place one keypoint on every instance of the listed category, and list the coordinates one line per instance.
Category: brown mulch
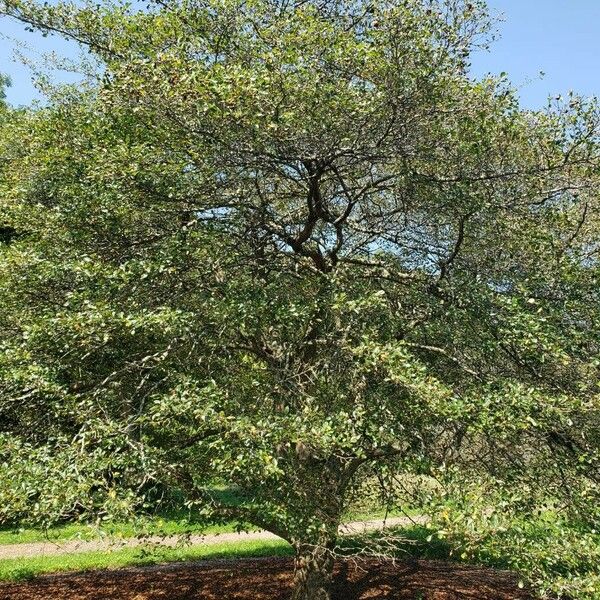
(269, 579)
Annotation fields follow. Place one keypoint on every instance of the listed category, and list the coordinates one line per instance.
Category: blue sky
(559, 37)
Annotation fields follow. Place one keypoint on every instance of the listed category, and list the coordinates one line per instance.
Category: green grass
(173, 522)
(167, 524)
(414, 541)
(372, 514)
(18, 569)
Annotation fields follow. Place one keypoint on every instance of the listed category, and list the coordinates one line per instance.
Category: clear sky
(559, 37)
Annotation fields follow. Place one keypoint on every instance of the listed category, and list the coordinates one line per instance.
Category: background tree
(4, 81)
(6, 233)
(286, 247)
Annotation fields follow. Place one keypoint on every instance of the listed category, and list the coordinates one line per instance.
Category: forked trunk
(313, 573)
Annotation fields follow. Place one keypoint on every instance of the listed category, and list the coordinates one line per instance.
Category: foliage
(555, 554)
(4, 81)
(289, 247)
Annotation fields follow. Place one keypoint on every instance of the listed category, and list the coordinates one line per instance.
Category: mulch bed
(269, 579)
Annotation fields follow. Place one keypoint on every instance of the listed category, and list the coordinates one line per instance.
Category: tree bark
(313, 572)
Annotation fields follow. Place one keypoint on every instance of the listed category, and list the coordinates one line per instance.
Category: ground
(269, 579)
(69, 547)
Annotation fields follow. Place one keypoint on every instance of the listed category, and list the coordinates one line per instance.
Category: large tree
(286, 246)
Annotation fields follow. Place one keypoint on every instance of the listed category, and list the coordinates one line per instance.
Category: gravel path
(77, 546)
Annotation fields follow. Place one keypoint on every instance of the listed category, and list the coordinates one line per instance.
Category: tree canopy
(288, 247)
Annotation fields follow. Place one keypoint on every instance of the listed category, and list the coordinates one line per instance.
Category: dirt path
(76, 546)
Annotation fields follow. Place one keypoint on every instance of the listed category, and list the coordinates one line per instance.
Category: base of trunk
(313, 574)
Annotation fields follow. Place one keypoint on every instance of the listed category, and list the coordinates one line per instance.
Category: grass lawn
(166, 524)
(174, 522)
(15, 569)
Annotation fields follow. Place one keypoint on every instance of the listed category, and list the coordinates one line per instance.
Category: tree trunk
(313, 572)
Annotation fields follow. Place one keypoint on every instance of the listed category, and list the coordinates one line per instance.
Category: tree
(6, 232)
(287, 246)
(4, 81)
